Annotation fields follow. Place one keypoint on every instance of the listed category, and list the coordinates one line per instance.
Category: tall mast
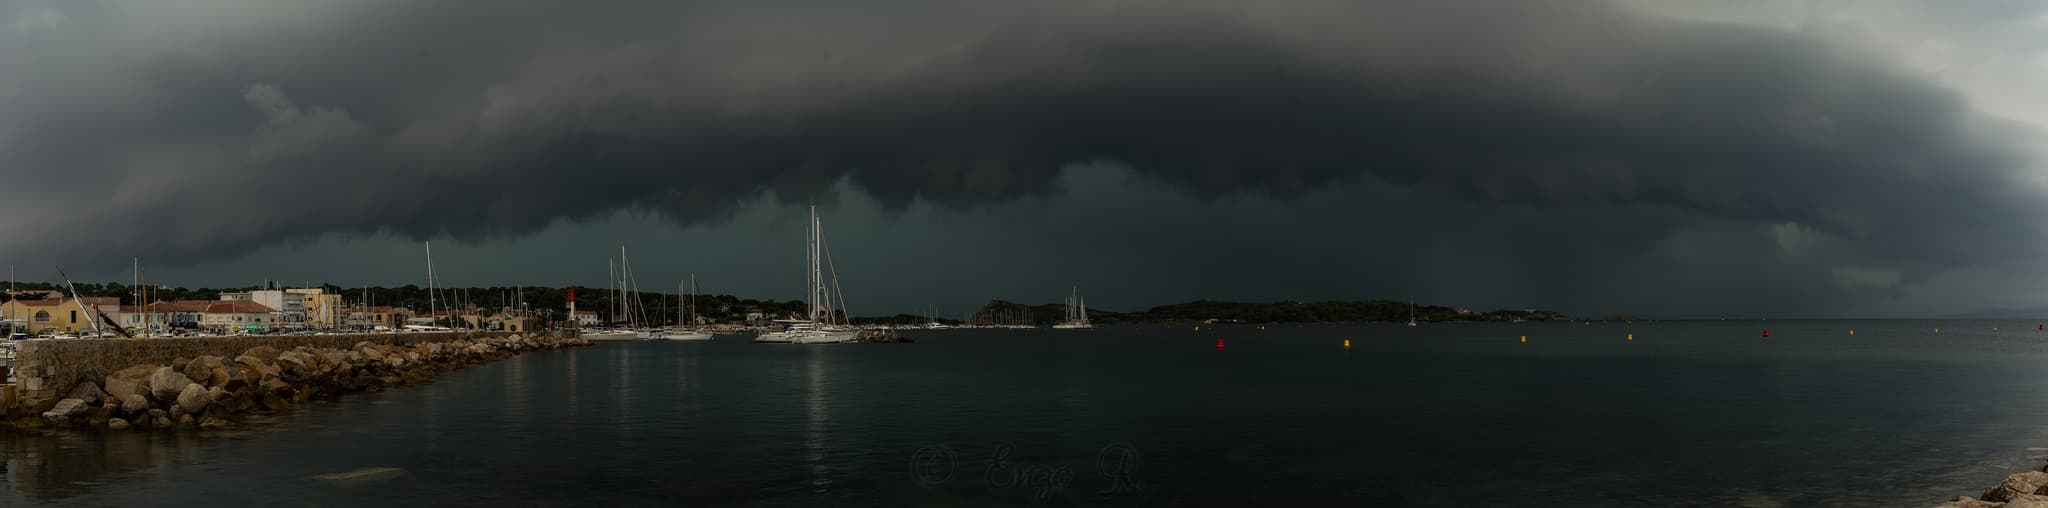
(142, 305)
(625, 306)
(611, 283)
(432, 311)
(811, 258)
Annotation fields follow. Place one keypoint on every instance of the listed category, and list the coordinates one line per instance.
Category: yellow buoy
(1347, 343)
(1994, 328)
(1198, 328)
(1262, 327)
(1937, 330)
(1852, 331)
(1525, 338)
(1631, 336)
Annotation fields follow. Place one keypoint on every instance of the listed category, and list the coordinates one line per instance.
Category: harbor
(1399, 418)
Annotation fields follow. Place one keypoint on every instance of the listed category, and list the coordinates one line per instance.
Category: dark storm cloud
(200, 129)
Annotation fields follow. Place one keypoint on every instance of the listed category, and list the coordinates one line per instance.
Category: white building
(234, 315)
(290, 306)
(586, 318)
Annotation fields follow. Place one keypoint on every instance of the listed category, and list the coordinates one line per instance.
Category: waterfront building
(60, 314)
(323, 309)
(290, 307)
(239, 315)
(361, 317)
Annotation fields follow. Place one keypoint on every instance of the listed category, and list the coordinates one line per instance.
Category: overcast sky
(1680, 158)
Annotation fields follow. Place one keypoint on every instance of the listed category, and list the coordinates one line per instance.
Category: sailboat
(1077, 313)
(686, 328)
(623, 299)
(820, 326)
(1411, 312)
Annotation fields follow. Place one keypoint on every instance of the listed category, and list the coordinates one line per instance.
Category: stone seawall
(203, 382)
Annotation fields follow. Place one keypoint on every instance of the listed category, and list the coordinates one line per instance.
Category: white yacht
(613, 334)
(821, 325)
(1077, 313)
(686, 315)
(808, 332)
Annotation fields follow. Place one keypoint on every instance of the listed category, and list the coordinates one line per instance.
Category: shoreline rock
(2027, 489)
(208, 391)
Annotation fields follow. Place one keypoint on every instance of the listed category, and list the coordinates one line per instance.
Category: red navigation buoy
(1219, 343)
(1767, 332)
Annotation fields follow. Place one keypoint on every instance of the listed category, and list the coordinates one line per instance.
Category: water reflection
(816, 419)
(515, 390)
(59, 465)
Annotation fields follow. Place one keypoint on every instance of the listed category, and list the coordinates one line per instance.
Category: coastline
(208, 391)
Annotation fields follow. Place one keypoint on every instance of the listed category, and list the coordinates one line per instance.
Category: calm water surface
(1700, 413)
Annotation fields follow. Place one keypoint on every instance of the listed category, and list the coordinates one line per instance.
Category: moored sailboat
(686, 315)
(821, 325)
(1077, 313)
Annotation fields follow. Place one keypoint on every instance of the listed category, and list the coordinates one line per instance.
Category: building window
(42, 316)
(74, 316)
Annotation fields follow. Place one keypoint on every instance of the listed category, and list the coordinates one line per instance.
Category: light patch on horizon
(1875, 278)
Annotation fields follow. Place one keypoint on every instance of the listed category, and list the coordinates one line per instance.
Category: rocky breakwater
(207, 392)
(2022, 490)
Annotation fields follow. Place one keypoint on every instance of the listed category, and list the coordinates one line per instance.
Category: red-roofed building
(237, 315)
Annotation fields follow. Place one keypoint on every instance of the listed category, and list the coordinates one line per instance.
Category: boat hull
(613, 335)
(808, 337)
(682, 336)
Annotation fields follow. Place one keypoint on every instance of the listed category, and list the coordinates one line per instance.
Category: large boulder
(87, 391)
(134, 403)
(214, 419)
(2030, 482)
(276, 388)
(255, 369)
(65, 410)
(194, 399)
(166, 383)
(294, 365)
(133, 379)
(267, 353)
(117, 424)
(201, 370)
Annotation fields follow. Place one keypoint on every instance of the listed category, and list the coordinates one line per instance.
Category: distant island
(1209, 311)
